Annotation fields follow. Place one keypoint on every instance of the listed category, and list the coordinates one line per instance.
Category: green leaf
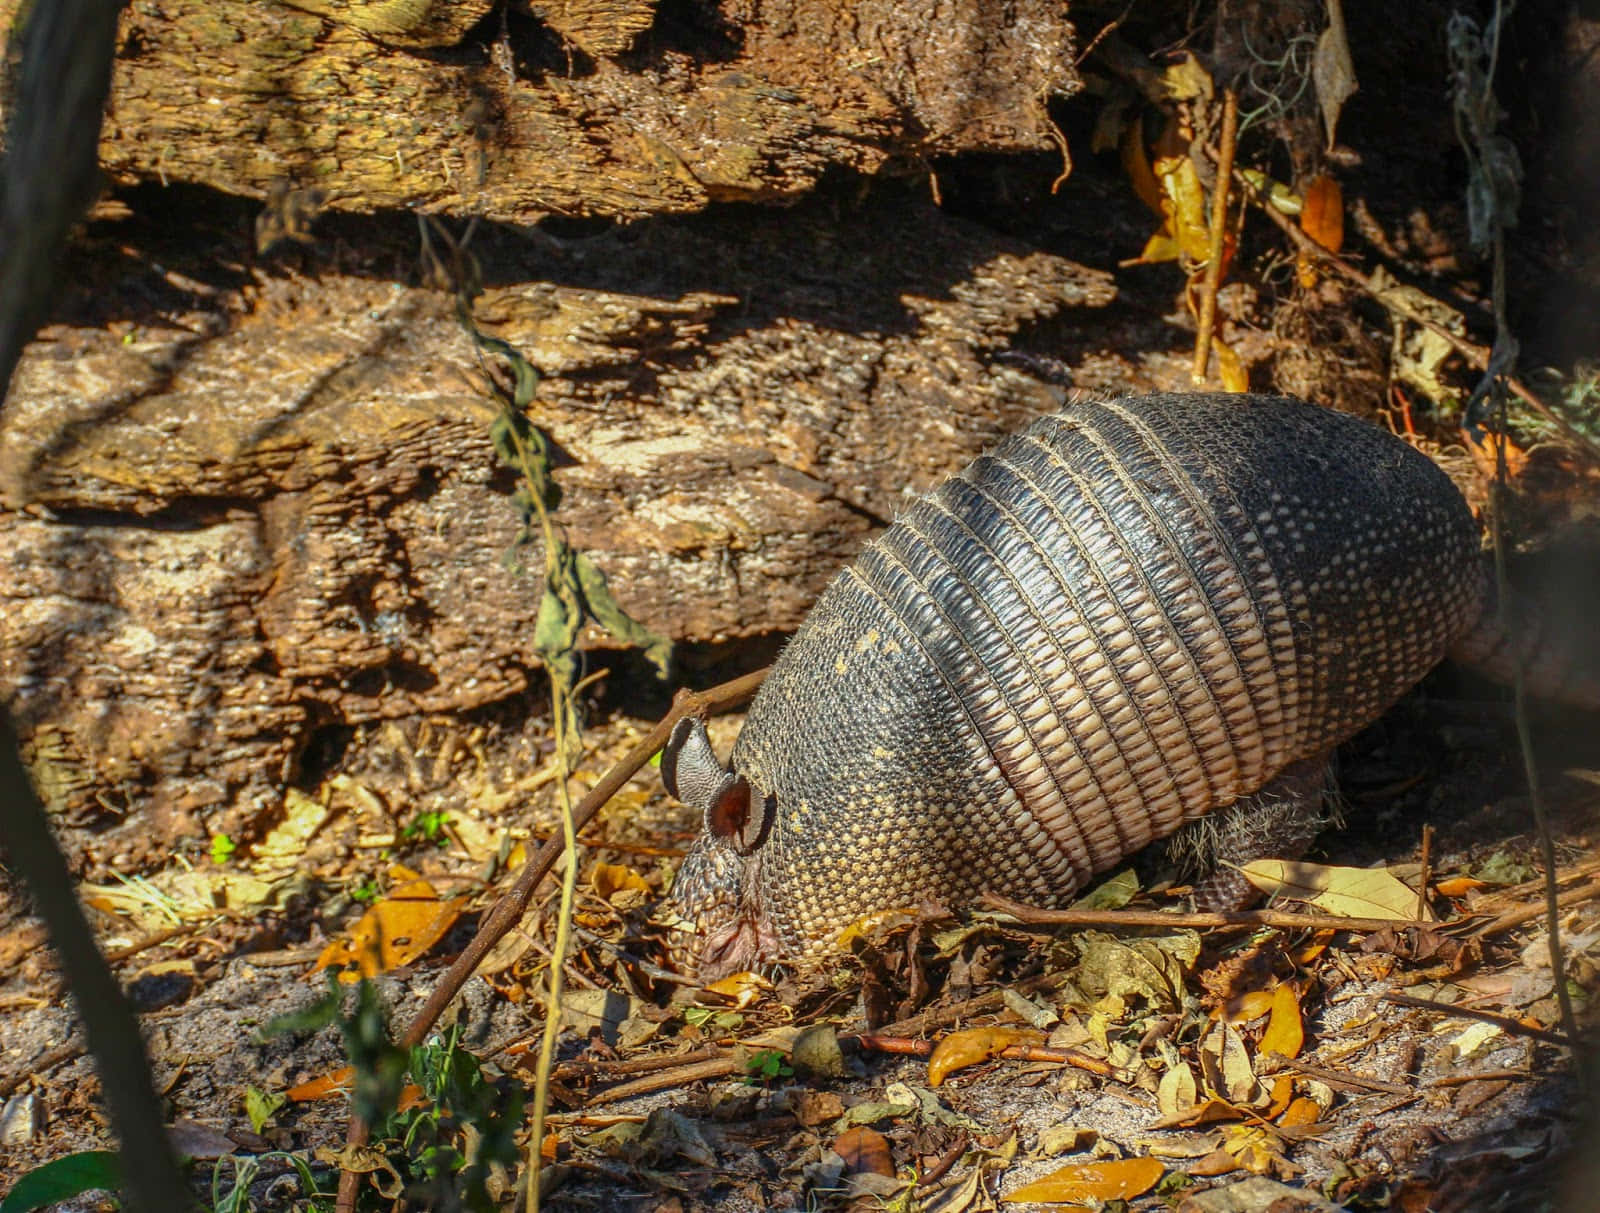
(606, 612)
(260, 1106)
(63, 1179)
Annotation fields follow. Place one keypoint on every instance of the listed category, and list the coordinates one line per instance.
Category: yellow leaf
(609, 879)
(1184, 205)
(1347, 892)
(1088, 1183)
(1248, 1006)
(1286, 1033)
(868, 923)
(1235, 378)
(959, 1050)
(1176, 1093)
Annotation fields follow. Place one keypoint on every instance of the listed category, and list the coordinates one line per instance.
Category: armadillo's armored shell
(1127, 615)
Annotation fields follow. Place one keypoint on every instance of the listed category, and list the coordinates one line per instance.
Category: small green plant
(366, 892)
(728, 1021)
(766, 1065)
(429, 825)
(439, 1145)
(222, 848)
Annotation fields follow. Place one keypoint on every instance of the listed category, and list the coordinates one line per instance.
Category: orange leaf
(1314, 947)
(335, 1082)
(962, 1049)
(1137, 165)
(1483, 453)
(1322, 213)
(1301, 1112)
(1286, 1031)
(1282, 1095)
(1248, 1006)
(549, 1147)
(394, 932)
(864, 1150)
(1457, 886)
(609, 879)
(741, 989)
(1085, 1183)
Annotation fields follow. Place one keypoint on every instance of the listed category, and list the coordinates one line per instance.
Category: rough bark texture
(588, 107)
(241, 505)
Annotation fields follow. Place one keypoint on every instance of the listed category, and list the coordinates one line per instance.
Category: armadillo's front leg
(1278, 822)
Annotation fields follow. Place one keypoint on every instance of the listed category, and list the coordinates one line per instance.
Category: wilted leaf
(1347, 892)
(607, 1010)
(1176, 1093)
(864, 1149)
(1186, 79)
(260, 1106)
(1333, 72)
(1252, 1004)
(816, 1053)
(1300, 1113)
(1206, 1112)
(868, 923)
(1112, 893)
(597, 597)
(394, 932)
(1257, 1150)
(1286, 1033)
(1225, 1066)
(286, 843)
(1088, 1183)
(1152, 968)
(959, 1050)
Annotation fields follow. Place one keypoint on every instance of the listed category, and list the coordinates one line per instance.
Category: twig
(1506, 1022)
(1461, 1080)
(666, 1080)
(1199, 921)
(1348, 1078)
(1427, 872)
(508, 911)
(907, 1046)
(47, 1060)
(1219, 221)
(1526, 914)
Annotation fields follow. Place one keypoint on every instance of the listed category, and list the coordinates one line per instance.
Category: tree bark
(583, 107)
(253, 504)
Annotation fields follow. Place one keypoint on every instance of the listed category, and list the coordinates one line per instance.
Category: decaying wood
(596, 107)
(253, 504)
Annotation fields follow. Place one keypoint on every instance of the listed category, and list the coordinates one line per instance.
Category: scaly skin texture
(1130, 614)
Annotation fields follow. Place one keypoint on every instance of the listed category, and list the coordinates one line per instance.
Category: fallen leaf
(1088, 1183)
(393, 932)
(1347, 892)
(1300, 1113)
(1457, 886)
(741, 989)
(1333, 72)
(1177, 1093)
(959, 1050)
(335, 1082)
(864, 1150)
(610, 879)
(1321, 218)
(1225, 1066)
(1286, 1033)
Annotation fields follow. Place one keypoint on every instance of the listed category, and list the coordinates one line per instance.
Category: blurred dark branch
(47, 182)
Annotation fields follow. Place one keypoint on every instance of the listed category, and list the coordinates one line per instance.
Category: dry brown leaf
(1333, 72)
(864, 1150)
(1225, 1066)
(393, 932)
(1207, 1112)
(1177, 1093)
(1347, 892)
(1088, 1183)
(1286, 1033)
(959, 1050)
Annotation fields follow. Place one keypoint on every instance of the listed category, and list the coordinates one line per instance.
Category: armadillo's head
(718, 886)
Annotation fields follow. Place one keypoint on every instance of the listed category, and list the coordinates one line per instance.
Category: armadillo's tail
(1556, 654)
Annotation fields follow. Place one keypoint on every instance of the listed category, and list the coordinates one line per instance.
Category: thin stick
(1219, 222)
(1347, 1078)
(1199, 921)
(1505, 1022)
(508, 911)
(1526, 914)
(908, 1046)
(1427, 872)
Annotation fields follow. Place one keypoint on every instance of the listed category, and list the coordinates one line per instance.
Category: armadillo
(1128, 615)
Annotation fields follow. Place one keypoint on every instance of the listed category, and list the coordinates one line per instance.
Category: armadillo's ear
(693, 773)
(690, 767)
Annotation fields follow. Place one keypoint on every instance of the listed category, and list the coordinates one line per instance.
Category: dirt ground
(1416, 1107)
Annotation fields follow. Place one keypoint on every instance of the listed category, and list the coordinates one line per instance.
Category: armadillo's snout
(717, 888)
